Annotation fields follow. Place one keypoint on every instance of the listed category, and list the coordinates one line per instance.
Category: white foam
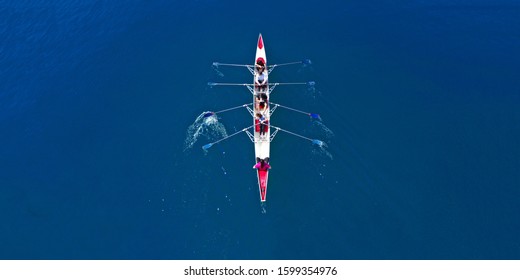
(207, 127)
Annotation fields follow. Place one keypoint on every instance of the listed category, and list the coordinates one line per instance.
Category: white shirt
(261, 78)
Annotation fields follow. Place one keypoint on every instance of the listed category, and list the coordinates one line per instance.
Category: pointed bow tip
(260, 41)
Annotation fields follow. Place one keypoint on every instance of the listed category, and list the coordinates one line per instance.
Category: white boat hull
(262, 141)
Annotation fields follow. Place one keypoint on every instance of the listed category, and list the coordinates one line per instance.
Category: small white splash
(312, 92)
(321, 150)
(322, 129)
(210, 120)
(219, 73)
(204, 125)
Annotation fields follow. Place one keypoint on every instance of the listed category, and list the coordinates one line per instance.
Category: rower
(260, 65)
(262, 165)
(258, 126)
(260, 68)
(261, 75)
(261, 124)
(261, 79)
(261, 105)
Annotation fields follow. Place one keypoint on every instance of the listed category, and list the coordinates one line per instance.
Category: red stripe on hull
(260, 42)
(262, 183)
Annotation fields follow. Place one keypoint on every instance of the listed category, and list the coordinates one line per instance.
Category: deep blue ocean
(420, 107)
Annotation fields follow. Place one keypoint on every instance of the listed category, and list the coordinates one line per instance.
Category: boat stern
(262, 183)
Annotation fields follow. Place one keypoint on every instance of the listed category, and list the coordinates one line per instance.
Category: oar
(305, 62)
(209, 114)
(310, 83)
(287, 63)
(286, 84)
(211, 84)
(312, 115)
(207, 146)
(217, 64)
(314, 141)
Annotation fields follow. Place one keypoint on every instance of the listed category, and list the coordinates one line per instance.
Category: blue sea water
(420, 102)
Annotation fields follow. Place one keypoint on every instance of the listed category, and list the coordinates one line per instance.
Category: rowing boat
(261, 110)
(262, 133)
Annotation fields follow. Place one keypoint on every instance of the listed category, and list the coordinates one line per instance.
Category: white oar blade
(318, 142)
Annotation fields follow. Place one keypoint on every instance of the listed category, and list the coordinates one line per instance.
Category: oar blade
(317, 142)
(315, 116)
(207, 146)
(306, 61)
(311, 83)
(209, 114)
